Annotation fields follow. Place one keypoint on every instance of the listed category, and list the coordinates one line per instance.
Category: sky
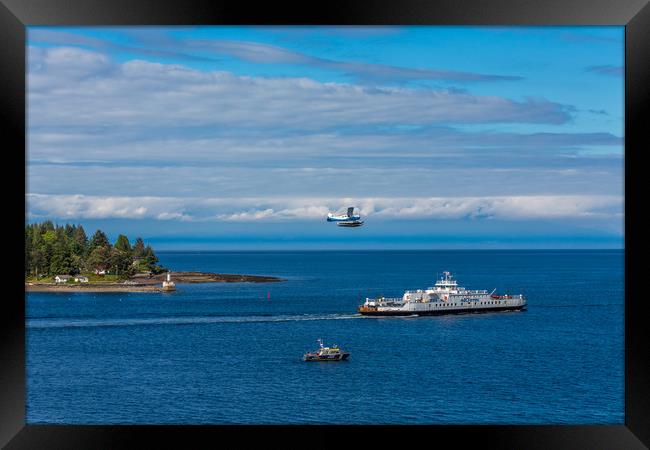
(244, 138)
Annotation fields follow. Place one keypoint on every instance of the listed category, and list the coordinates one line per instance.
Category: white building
(81, 279)
(61, 278)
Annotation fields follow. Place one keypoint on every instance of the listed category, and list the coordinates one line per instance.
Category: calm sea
(224, 353)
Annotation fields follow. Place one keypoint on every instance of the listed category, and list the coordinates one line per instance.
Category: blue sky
(245, 137)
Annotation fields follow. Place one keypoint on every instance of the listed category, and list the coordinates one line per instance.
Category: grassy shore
(88, 287)
(140, 282)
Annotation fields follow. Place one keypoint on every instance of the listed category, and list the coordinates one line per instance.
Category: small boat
(332, 353)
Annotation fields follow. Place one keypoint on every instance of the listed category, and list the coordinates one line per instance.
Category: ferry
(446, 297)
(333, 353)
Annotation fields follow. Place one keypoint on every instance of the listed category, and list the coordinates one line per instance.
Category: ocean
(230, 353)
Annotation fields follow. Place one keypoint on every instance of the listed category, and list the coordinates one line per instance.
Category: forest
(65, 249)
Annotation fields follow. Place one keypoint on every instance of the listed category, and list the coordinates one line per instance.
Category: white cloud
(279, 209)
(74, 87)
(265, 53)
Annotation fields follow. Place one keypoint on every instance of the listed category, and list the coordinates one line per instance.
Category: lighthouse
(168, 285)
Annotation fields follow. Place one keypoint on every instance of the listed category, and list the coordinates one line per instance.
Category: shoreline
(144, 283)
(93, 288)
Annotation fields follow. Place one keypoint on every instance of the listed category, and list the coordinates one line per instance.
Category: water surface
(226, 353)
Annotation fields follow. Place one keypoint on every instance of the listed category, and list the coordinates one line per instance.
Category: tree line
(59, 250)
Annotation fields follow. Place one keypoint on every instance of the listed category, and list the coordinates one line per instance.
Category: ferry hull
(371, 312)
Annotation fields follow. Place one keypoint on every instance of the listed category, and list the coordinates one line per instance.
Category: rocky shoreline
(144, 283)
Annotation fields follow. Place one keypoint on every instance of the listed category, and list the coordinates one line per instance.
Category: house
(100, 271)
(61, 278)
(81, 279)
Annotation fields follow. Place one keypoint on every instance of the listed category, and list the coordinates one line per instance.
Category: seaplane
(346, 220)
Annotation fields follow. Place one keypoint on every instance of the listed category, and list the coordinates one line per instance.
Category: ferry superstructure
(446, 297)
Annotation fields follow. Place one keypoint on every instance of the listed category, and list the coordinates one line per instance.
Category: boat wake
(83, 323)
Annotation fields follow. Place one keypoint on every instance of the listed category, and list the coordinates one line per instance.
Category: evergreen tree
(99, 240)
(98, 259)
(138, 248)
(61, 236)
(69, 230)
(61, 262)
(79, 241)
(121, 262)
(77, 263)
(28, 249)
(123, 244)
(39, 256)
(49, 237)
(150, 258)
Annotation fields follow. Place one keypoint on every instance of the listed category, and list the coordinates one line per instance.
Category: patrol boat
(446, 297)
(332, 353)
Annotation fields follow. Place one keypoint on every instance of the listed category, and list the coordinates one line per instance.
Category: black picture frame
(15, 15)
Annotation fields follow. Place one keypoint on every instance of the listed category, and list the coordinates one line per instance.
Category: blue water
(224, 353)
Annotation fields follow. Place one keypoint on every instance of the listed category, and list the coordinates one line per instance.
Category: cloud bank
(74, 87)
(312, 209)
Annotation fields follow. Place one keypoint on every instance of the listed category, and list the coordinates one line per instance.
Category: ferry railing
(386, 300)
